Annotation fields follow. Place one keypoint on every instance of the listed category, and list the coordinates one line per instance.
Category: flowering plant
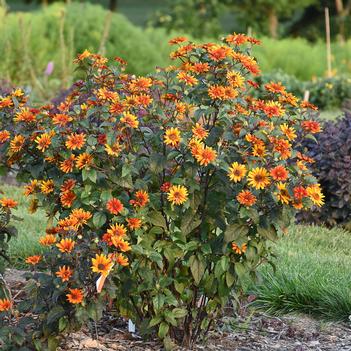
(167, 188)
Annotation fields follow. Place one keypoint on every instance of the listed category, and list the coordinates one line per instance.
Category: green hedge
(58, 32)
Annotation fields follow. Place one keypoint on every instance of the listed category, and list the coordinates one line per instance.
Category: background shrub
(332, 167)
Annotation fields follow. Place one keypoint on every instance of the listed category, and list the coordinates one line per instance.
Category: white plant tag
(131, 326)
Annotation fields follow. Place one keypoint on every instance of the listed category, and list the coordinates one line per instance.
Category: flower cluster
(163, 188)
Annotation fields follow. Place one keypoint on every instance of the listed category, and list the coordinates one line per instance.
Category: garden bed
(242, 333)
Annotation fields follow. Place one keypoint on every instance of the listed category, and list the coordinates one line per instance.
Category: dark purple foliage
(332, 154)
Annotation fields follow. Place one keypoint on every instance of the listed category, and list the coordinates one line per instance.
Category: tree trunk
(273, 23)
(113, 5)
(342, 12)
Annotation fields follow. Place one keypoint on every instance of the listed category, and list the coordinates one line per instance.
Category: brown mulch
(246, 333)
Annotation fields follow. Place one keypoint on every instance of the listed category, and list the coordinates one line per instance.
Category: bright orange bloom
(205, 156)
(141, 198)
(5, 102)
(8, 203)
(67, 198)
(67, 165)
(199, 131)
(47, 240)
(177, 194)
(80, 216)
(31, 187)
(33, 260)
(279, 173)
(101, 264)
(134, 223)
(177, 40)
(289, 132)
(141, 84)
(66, 245)
(274, 109)
(114, 206)
(68, 185)
(239, 250)
(237, 172)
(84, 160)
(235, 79)
(258, 178)
(120, 243)
(5, 305)
(172, 137)
(43, 141)
(188, 79)
(218, 53)
(246, 198)
(130, 119)
(75, 141)
(216, 92)
(122, 260)
(84, 55)
(283, 193)
(47, 186)
(4, 136)
(25, 115)
(300, 192)
(65, 273)
(61, 119)
(311, 126)
(117, 230)
(314, 192)
(114, 149)
(75, 296)
(17, 143)
(276, 88)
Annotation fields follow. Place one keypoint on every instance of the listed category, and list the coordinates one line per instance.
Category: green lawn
(313, 266)
(312, 275)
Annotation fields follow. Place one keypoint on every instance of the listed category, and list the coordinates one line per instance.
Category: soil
(240, 333)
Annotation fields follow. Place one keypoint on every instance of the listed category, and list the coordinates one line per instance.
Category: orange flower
(289, 132)
(141, 198)
(283, 193)
(4, 136)
(47, 186)
(31, 187)
(177, 194)
(101, 264)
(311, 126)
(199, 132)
(172, 137)
(84, 160)
(246, 198)
(122, 260)
(83, 55)
(65, 273)
(25, 115)
(300, 192)
(114, 206)
(17, 143)
(239, 250)
(274, 109)
(130, 119)
(43, 141)
(205, 156)
(120, 243)
(33, 260)
(8, 203)
(134, 223)
(114, 149)
(258, 178)
(47, 240)
(177, 40)
(276, 88)
(188, 79)
(67, 165)
(236, 172)
(61, 119)
(314, 192)
(75, 296)
(279, 173)
(218, 53)
(117, 230)
(68, 185)
(216, 92)
(66, 245)
(67, 198)
(80, 216)
(5, 305)
(75, 141)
